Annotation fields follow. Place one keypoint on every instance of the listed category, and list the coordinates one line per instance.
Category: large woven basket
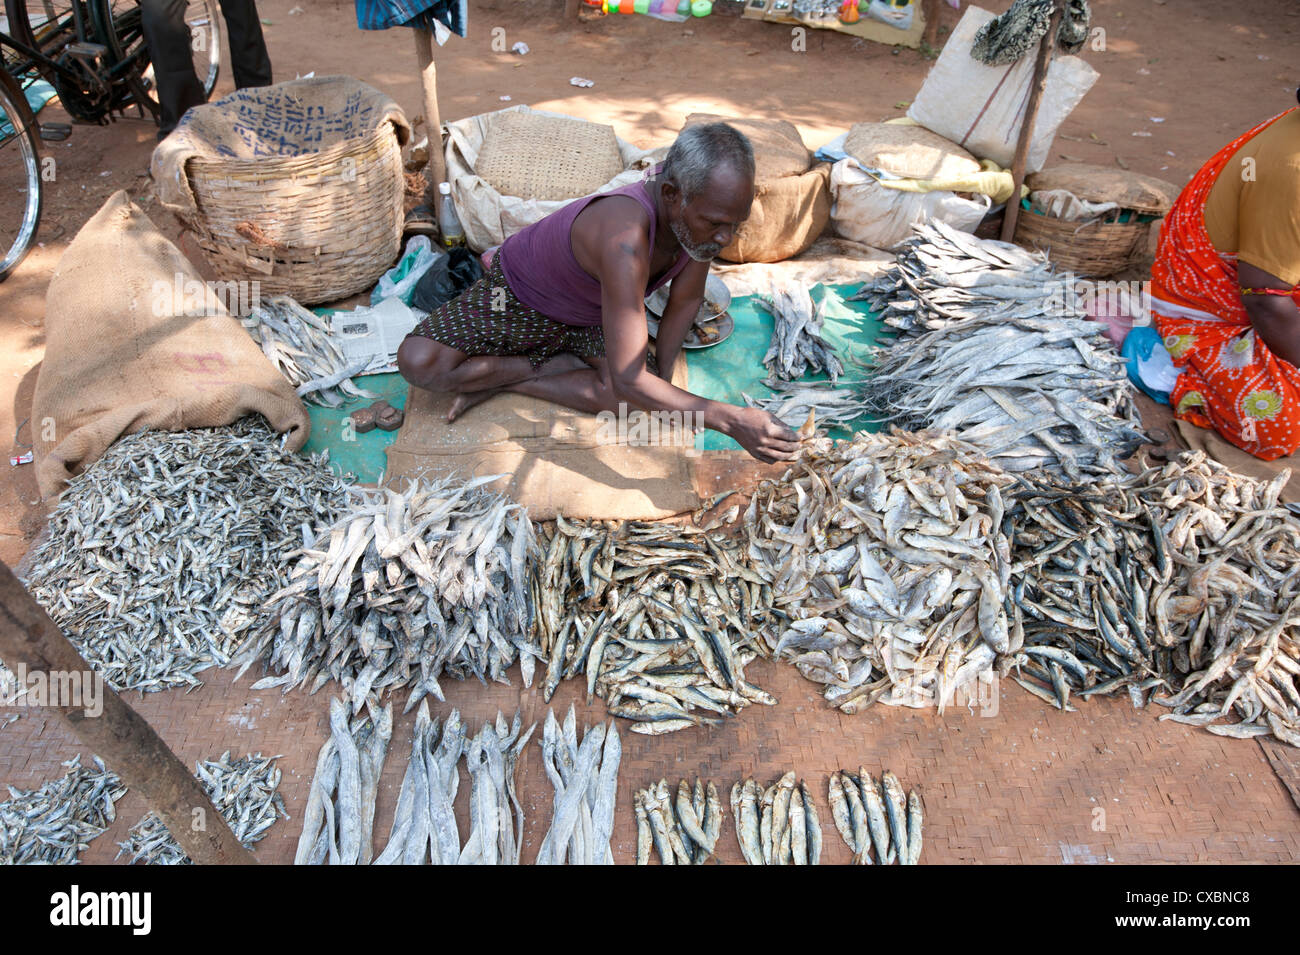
(297, 186)
(1108, 245)
(1098, 248)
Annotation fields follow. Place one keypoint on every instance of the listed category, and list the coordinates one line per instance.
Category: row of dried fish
(303, 346)
(778, 825)
(1035, 392)
(53, 824)
(660, 618)
(797, 344)
(1185, 577)
(246, 793)
(829, 405)
(888, 566)
(684, 832)
(338, 823)
(880, 816)
(160, 558)
(404, 587)
(585, 778)
(424, 823)
(495, 837)
(942, 275)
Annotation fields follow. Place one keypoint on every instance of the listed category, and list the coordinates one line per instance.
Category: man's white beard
(700, 253)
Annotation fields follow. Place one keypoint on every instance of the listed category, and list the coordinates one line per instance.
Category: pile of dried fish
(51, 825)
(1033, 392)
(404, 587)
(1186, 576)
(777, 825)
(585, 777)
(684, 832)
(660, 618)
(491, 757)
(246, 793)
(424, 824)
(943, 275)
(831, 405)
(161, 556)
(888, 565)
(797, 342)
(867, 815)
(303, 347)
(338, 823)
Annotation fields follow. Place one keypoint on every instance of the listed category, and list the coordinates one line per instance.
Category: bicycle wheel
(204, 20)
(44, 25)
(130, 54)
(118, 26)
(20, 175)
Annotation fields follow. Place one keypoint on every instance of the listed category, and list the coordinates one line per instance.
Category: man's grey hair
(703, 148)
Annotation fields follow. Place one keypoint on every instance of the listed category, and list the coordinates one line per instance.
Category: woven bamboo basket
(320, 223)
(1098, 248)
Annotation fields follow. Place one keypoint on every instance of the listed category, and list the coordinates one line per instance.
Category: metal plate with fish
(712, 325)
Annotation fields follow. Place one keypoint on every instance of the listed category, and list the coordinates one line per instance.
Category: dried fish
(53, 824)
(246, 793)
(496, 830)
(339, 818)
(1183, 579)
(779, 826)
(942, 275)
(833, 405)
(993, 349)
(885, 567)
(585, 778)
(659, 617)
(303, 346)
(404, 587)
(877, 816)
(162, 555)
(797, 343)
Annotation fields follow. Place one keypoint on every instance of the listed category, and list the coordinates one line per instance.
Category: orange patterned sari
(1228, 380)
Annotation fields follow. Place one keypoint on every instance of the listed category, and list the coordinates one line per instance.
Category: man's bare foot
(466, 400)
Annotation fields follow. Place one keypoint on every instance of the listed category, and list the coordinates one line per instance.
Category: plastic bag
(1150, 366)
(447, 278)
(401, 279)
(865, 211)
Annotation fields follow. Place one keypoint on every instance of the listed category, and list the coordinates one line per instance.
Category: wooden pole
(571, 9)
(432, 118)
(1045, 48)
(128, 744)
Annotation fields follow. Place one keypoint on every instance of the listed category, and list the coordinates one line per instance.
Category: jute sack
(134, 340)
(787, 216)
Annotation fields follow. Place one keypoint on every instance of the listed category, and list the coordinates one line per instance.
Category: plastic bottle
(453, 233)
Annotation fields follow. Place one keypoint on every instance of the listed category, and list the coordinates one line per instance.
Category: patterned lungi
(487, 319)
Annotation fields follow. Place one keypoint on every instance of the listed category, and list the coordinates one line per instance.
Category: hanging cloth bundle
(1007, 38)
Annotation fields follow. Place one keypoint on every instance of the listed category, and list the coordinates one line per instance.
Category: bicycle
(93, 54)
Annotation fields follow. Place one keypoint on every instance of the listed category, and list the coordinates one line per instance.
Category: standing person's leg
(249, 61)
(168, 38)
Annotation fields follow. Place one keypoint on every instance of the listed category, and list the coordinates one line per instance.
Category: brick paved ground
(1029, 784)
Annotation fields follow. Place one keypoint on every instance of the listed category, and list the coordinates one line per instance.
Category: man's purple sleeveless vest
(538, 263)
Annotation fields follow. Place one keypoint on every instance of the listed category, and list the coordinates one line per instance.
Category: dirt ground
(1179, 79)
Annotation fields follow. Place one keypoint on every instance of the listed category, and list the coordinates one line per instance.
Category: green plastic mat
(363, 455)
(725, 370)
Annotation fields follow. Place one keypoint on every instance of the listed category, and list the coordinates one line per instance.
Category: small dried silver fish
(53, 824)
(246, 793)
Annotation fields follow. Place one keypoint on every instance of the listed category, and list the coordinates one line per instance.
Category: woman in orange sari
(1224, 295)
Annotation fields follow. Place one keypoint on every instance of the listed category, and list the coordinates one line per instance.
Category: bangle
(1266, 291)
